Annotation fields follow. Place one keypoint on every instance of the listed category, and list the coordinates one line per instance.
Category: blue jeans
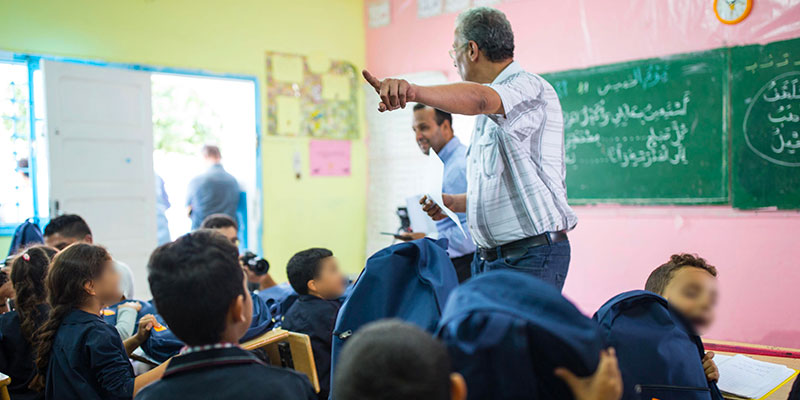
(549, 262)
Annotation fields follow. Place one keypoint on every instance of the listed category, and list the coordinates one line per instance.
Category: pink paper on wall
(329, 157)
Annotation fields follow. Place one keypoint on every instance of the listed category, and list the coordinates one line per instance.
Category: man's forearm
(459, 204)
(465, 98)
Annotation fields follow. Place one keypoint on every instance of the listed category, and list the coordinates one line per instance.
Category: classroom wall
(616, 247)
(225, 37)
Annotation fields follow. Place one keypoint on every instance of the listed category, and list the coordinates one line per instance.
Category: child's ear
(88, 286)
(458, 387)
(236, 310)
(88, 238)
(312, 286)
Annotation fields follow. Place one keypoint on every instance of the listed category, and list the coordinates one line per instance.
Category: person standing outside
(434, 131)
(212, 192)
(516, 198)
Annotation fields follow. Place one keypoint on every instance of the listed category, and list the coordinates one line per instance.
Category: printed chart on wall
(311, 96)
(765, 119)
(646, 132)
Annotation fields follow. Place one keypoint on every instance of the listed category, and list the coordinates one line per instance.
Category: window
(16, 191)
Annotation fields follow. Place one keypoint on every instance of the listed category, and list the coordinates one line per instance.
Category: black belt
(519, 247)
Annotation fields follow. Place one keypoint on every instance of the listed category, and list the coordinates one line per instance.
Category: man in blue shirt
(213, 192)
(434, 130)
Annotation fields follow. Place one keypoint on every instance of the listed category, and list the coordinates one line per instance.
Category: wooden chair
(289, 350)
(4, 382)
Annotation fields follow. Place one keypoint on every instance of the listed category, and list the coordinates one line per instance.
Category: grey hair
(489, 28)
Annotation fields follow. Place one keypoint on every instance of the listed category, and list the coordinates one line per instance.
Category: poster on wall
(311, 96)
(329, 157)
(379, 13)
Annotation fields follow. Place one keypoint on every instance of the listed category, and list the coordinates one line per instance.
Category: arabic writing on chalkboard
(772, 121)
(770, 62)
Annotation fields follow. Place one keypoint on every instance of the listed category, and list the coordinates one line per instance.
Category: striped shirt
(515, 164)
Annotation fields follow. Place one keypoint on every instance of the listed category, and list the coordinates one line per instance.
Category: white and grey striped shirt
(515, 164)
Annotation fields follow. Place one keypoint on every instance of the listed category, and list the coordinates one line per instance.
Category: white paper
(434, 175)
(379, 13)
(745, 377)
(420, 221)
(428, 8)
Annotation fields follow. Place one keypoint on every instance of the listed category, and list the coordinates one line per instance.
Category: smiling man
(434, 131)
(516, 198)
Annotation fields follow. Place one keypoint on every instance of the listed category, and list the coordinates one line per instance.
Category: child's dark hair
(28, 272)
(304, 266)
(68, 225)
(390, 359)
(219, 221)
(68, 273)
(194, 280)
(661, 276)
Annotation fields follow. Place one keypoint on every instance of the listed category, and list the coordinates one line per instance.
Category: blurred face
(106, 286)
(60, 242)
(329, 284)
(428, 132)
(693, 291)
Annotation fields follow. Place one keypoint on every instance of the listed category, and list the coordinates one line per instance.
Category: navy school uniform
(16, 355)
(226, 373)
(88, 361)
(316, 318)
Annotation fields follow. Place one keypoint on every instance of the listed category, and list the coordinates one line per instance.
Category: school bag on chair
(507, 332)
(163, 344)
(659, 353)
(26, 234)
(278, 299)
(410, 281)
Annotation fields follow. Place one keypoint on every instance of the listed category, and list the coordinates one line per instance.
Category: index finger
(373, 81)
(423, 200)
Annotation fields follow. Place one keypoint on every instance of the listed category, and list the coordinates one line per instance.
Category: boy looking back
(314, 274)
(690, 286)
(201, 292)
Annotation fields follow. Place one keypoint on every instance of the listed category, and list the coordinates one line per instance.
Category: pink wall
(616, 247)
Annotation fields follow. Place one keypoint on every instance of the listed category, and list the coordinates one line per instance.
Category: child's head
(80, 275)
(199, 288)
(224, 224)
(690, 285)
(316, 272)
(28, 272)
(65, 230)
(389, 360)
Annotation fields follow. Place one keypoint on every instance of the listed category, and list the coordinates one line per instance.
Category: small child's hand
(146, 323)
(712, 372)
(604, 384)
(131, 304)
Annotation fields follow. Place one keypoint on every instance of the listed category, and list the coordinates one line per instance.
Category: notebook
(746, 378)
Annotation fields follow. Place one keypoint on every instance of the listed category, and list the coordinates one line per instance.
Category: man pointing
(516, 200)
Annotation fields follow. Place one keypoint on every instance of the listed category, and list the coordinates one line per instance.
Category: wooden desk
(299, 347)
(4, 382)
(778, 355)
(273, 336)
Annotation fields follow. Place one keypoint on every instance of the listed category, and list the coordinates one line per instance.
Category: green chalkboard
(647, 132)
(765, 125)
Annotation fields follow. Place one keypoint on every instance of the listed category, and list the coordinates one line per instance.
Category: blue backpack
(507, 332)
(410, 281)
(26, 234)
(163, 344)
(278, 299)
(110, 313)
(659, 353)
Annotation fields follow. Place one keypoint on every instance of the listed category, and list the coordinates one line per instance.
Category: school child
(17, 327)
(393, 360)
(67, 229)
(314, 274)
(228, 227)
(79, 355)
(200, 290)
(689, 283)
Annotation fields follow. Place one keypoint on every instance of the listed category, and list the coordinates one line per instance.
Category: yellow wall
(228, 36)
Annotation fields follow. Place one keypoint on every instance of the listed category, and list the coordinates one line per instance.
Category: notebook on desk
(742, 377)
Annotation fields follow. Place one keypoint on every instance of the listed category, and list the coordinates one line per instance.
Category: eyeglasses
(454, 51)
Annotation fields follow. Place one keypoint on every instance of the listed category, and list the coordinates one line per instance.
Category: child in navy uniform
(314, 275)
(201, 292)
(80, 356)
(690, 285)
(17, 327)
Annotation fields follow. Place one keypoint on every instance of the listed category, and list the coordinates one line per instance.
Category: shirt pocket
(489, 151)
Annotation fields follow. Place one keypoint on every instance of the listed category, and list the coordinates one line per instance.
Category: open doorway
(190, 111)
